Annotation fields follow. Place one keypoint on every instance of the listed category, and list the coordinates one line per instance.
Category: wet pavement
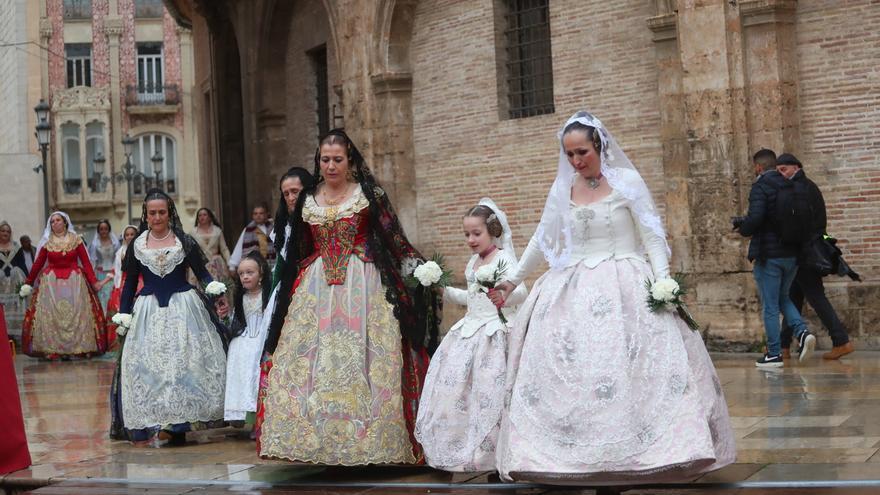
(814, 423)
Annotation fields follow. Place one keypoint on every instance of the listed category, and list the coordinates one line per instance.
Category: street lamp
(43, 134)
(157, 160)
(100, 181)
(127, 174)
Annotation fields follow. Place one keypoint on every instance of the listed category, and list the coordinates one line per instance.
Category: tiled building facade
(451, 100)
(115, 68)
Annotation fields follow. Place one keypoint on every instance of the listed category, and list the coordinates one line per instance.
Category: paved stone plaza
(815, 422)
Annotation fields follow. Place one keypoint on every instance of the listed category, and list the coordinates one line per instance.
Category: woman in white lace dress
(461, 404)
(102, 251)
(172, 371)
(602, 389)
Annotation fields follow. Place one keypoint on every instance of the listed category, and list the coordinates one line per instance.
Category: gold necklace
(332, 205)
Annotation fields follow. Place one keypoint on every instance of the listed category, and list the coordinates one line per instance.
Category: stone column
(705, 158)
(189, 161)
(771, 73)
(113, 27)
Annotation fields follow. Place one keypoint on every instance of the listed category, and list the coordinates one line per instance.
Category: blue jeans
(774, 278)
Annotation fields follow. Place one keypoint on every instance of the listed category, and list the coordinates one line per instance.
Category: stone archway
(297, 48)
(391, 78)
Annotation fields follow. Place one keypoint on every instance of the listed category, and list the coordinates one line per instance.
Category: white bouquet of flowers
(667, 294)
(215, 288)
(431, 273)
(123, 322)
(488, 276)
(25, 291)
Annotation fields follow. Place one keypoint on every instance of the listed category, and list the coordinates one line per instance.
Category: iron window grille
(147, 8)
(529, 61)
(322, 95)
(77, 9)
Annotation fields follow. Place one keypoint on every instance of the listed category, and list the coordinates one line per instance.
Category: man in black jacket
(775, 262)
(808, 282)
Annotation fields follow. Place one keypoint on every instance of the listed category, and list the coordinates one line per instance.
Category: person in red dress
(14, 453)
(64, 317)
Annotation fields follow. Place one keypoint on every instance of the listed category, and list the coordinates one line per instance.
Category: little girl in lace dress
(460, 409)
(243, 361)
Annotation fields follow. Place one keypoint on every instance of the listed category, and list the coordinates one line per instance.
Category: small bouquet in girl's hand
(667, 292)
(488, 276)
(431, 273)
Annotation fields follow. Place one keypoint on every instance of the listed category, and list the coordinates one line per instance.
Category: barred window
(147, 8)
(322, 94)
(79, 64)
(77, 9)
(528, 67)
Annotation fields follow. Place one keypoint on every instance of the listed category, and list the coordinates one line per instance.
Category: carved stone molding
(663, 26)
(45, 28)
(391, 82)
(81, 98)
(113, 26)
(757, 12)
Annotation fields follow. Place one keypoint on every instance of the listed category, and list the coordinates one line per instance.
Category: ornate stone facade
(690, 89)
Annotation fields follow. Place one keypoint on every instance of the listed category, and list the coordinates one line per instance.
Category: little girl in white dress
(463, 397)
(246, 348)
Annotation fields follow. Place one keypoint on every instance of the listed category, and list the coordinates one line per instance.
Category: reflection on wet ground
(811, 423)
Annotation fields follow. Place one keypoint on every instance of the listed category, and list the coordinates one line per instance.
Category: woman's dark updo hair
(210, 215)
(590, 131)
(493, 226)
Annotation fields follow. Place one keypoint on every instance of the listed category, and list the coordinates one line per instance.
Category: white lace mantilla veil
(554, 231)
(504, 242)
(95, 244)
(48, 231)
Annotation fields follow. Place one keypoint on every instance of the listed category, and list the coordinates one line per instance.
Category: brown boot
(839, 351)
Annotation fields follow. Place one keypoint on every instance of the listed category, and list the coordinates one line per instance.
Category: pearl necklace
(162, 238)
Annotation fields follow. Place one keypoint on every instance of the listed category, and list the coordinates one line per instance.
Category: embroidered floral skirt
(605, 390)
(461, 405)
(172, 367)
(64, 319)
(334, 392)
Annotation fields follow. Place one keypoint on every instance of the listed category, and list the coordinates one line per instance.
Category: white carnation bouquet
(431, 273)
(488, 276)
(667, 294)
(25, 291)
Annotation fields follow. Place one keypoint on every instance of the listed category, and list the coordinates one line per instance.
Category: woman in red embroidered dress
(349, 344)
(64, 317)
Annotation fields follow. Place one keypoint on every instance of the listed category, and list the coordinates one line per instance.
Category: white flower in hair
(25, 290)
(665, 289)
(215, 288)
(428, 273)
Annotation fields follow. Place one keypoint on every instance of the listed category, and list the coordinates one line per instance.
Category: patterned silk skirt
(603, 390)
(460, 409)
(334, 392)
(64, 319)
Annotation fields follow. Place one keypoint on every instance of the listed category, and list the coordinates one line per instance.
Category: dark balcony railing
(72, 186)
(77, 9)
(148, 94)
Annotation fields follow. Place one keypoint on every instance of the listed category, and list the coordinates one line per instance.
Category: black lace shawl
(387, 245)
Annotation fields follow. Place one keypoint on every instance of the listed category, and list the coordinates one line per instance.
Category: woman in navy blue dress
(172, 368)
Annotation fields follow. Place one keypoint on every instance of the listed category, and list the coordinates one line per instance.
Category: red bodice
(63, 263)
(335, 241)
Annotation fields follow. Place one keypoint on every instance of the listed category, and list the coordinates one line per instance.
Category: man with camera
(777, 222)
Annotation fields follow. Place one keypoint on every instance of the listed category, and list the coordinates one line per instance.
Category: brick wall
(463, 150)
(839, 96)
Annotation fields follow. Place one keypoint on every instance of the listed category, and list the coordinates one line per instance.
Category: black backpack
(794, 213)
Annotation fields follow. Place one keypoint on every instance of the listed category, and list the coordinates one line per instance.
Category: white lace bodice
(106, 254)
(160, 261)
(212, 243)
(480, 310)
(602, 230)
